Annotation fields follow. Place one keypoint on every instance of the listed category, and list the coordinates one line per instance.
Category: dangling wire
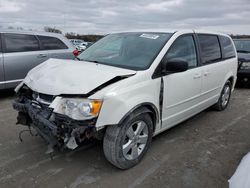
(26, 130)
(31, 133)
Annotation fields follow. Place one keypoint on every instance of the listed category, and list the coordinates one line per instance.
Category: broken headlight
(77, 108)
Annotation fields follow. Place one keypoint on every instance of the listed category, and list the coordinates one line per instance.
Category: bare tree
(52, 30)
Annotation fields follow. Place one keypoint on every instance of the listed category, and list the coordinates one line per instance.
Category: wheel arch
(146, 107)
(231, 79)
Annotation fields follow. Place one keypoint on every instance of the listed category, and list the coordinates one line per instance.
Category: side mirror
(174, 66)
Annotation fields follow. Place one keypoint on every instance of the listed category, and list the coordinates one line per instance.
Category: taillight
(76, 53)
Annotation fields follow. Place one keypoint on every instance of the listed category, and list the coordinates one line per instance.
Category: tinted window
(183, 49)
(227, 47)
(210, 48)
(51, 43)
(20, 42)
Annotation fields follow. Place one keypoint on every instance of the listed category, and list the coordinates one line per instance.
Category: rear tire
(224, 97)
(125, 145)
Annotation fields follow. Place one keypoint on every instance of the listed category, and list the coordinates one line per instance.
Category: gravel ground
(201, 152)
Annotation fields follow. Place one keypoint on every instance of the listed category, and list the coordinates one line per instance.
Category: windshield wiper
(243, 51)
(93, 61)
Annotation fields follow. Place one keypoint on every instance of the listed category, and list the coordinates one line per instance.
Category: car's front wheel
(125, 144)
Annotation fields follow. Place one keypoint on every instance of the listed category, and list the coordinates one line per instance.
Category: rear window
(52, 43)
(20, 42)
(227, 47)
(210, 48)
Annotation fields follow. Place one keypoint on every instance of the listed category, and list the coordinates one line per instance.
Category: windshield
(242, 45)
(134, 51)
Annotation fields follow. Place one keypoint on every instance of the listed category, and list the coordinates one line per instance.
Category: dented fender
(118, 103)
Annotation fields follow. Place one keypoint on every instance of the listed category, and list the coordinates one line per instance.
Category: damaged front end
(59, 130)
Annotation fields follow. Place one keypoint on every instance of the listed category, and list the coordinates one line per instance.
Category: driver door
(182, 90)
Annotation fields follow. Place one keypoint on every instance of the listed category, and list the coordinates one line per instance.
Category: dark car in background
(243, 50)
(20, 51)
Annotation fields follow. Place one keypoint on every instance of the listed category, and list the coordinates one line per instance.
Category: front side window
(183, 49)
(134, 51)
(51, 43)
(210, 48)
(227, 47)
(20, 42)
(242, 45)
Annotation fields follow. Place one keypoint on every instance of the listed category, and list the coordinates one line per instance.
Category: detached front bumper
(58, 130)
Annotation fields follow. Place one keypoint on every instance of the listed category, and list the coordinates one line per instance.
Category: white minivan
(127, 88)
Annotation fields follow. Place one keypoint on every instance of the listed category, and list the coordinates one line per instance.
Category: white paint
(241, 178)
(185, 94)
(57, 76)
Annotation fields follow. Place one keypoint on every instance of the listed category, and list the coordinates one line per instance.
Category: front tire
(125, 145)
(224, 97)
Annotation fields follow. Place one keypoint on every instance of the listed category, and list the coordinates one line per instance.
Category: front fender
(116, 105)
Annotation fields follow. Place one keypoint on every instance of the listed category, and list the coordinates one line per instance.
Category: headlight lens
(76, 108)
(245, 65)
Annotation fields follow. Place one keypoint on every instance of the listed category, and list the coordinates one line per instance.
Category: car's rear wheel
(125, 144)
(224, 97)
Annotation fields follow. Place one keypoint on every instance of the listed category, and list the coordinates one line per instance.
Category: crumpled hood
(57, 76)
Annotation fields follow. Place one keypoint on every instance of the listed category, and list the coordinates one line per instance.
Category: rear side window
(20, 42)
(210, 48)
(227, 47)
(51, 43)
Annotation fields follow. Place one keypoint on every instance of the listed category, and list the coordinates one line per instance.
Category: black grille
(43, 98)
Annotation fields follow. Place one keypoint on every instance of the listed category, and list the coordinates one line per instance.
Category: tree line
(71, 35)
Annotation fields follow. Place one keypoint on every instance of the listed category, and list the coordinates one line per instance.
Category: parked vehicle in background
(128, 88)
(243, 50)
(89, 44)
(21, 51)
(76, 42)
(82, 46)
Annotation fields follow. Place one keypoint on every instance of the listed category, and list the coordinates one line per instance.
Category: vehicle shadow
(7, 93)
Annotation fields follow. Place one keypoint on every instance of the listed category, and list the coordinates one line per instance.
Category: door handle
(206, 73)
(197, 76)
(42, 56)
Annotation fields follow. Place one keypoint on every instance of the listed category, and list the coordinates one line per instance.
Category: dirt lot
(201, 152)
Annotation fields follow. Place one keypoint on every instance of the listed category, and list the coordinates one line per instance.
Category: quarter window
(20, 42)
(227, 47)
(51, 43)
(210, 48)
(183, 49)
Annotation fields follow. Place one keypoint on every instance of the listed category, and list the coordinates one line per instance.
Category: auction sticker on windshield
(149, 36)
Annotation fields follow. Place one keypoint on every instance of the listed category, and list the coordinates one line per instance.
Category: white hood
(56, 76)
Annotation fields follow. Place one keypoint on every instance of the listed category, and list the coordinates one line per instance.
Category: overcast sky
(105, 16)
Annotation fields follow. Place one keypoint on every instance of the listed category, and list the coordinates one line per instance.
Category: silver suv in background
(20, 51)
